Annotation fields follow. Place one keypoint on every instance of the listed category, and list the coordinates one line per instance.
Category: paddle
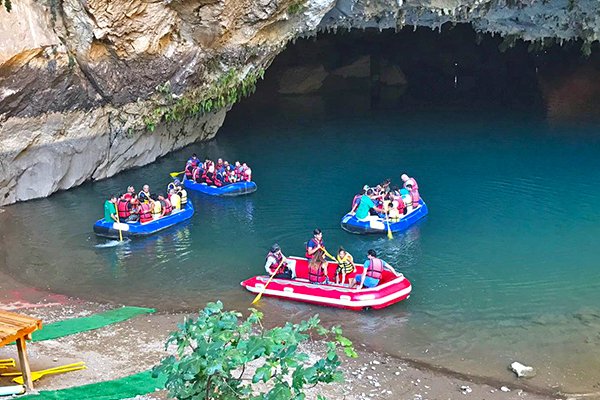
(387, 220)
(10, 362)
(35, 375)
(119, 226)
(328, 255)
(174, 174)
(258, 296)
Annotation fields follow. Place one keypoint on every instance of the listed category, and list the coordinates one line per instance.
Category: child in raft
(317, 269)
(345, 266)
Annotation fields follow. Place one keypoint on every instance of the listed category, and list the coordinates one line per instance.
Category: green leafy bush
(222, 356)
(227, 90)
(296, 7)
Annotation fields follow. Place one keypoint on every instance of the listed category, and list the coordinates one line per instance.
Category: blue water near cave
(505, 267)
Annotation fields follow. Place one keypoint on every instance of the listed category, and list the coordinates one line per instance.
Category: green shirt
(109, 209)
(363, 208)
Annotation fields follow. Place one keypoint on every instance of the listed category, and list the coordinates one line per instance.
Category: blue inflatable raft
(137, 229)
(232, 189)
(377, 224)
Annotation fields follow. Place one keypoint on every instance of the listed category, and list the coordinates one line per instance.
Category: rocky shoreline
(138, 344)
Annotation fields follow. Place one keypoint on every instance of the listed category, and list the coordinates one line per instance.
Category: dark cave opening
(454, 68)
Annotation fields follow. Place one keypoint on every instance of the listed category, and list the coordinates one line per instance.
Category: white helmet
(404, 177)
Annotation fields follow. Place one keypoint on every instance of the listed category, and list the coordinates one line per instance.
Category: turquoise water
(504, 268)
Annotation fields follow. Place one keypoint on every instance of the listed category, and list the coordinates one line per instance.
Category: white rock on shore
(521, 370)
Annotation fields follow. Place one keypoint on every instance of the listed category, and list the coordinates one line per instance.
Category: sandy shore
(138, 344)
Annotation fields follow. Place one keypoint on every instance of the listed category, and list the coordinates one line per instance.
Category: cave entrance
(455, 67)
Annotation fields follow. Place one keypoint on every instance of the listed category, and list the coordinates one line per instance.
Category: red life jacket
(208, 179)
(375, 269)
(196, 174)
(166, 207)
(189, 170)
(315, 273)
(126, 196)
(401, 205)
(211, 179)
(319, 243)
(277, 262)
(123, 208)
(145, 212)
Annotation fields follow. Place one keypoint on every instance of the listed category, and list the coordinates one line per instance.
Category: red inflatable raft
(392, 288)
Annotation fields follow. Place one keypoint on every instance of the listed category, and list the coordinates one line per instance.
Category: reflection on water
(573, 95)
(503, 268)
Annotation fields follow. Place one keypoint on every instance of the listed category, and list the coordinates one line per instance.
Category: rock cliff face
(89, 88)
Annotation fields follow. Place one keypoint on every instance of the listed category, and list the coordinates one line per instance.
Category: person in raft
(345, 266)
(165, 206)
(317, 268)
(356, 199)
(129, 194)
(181, 192)
(144, 196)
(373, 269)
(314, 244)
(110, 210)
(407, 180)
(175, 200)
(277, 264)
(367, 206)
(128, 210)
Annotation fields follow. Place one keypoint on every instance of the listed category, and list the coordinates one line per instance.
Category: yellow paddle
(10, 362)
(328, 255)
(119, 225)
(387, 220)
(174, 174)
(258, 296)
(59, 368)
(35, 375)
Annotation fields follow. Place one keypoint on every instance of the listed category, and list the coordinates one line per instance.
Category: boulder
(360, 68)
(302, 80)
(521, 370)
(392, 75)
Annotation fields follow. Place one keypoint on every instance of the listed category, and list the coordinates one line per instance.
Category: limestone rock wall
(88, 87)
(80, 80)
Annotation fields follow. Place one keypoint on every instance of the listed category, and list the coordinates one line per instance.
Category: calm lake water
(504, 268)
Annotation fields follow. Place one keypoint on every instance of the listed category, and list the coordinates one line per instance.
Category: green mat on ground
(124, 388)
(76, 325)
